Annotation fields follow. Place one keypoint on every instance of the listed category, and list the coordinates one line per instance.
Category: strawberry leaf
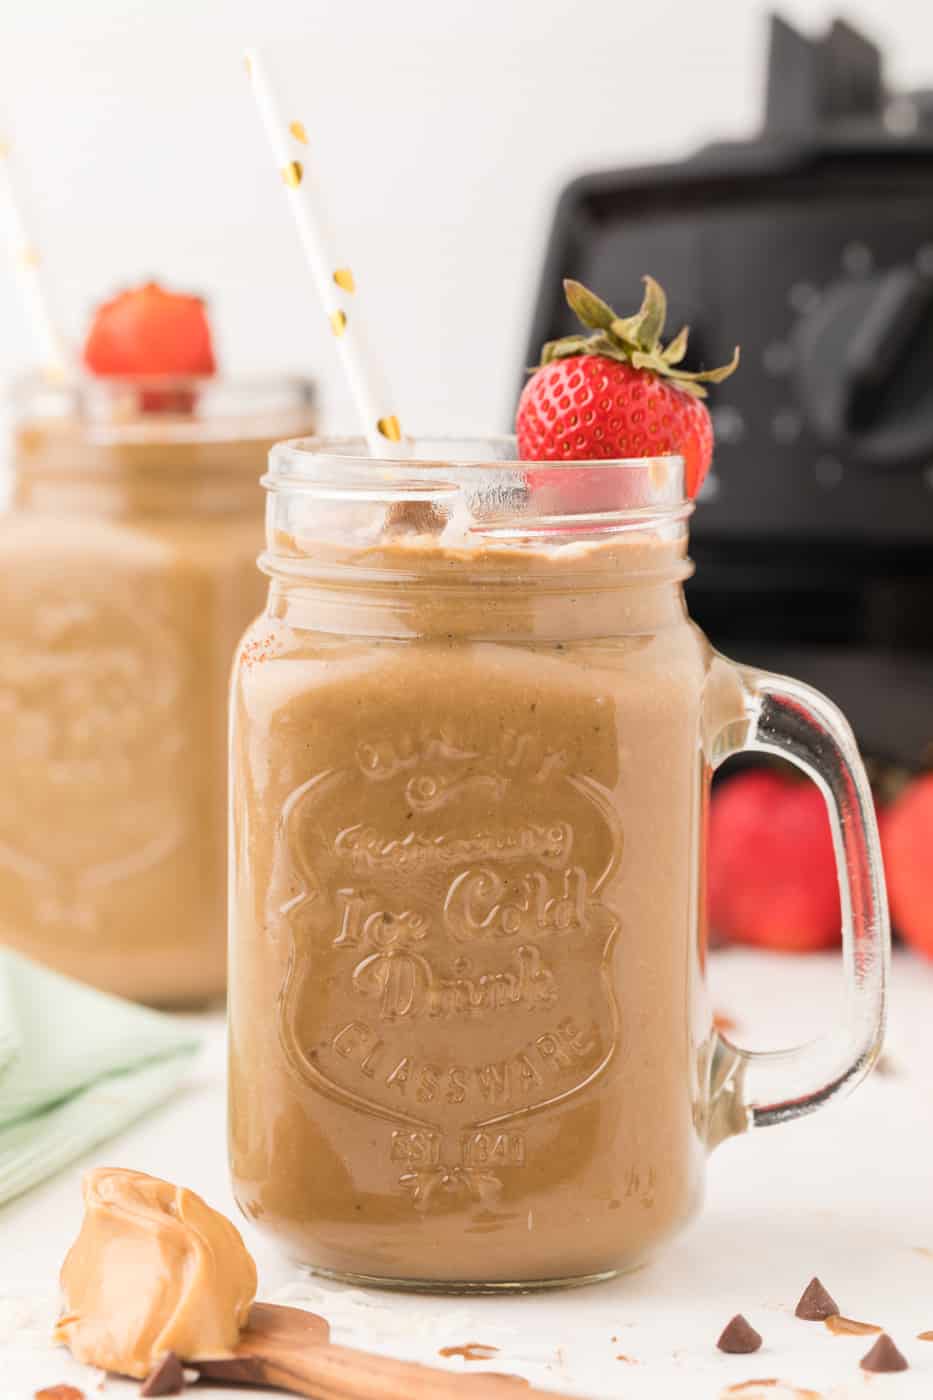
(688, 386)
(634, 340)
(708, 376)
(677, 348)
(587, 306)
(644, 328)
(564, 348)
(651, 360)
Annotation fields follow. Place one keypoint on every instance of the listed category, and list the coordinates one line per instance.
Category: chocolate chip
(848, 1327)
(470, 1351)
(815, 1304)
(739, 1337)
(168, 1378)
(884, 1356)
(416, 517)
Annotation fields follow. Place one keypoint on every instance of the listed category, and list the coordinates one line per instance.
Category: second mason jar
(127, 572)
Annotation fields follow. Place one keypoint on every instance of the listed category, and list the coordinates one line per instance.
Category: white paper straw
(24, 257)
(291, 146)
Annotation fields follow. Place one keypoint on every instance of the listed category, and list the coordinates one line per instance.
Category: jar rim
(463, 492)
(301, 459)
(151, 408)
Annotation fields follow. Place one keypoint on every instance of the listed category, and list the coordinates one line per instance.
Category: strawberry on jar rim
(618, 392)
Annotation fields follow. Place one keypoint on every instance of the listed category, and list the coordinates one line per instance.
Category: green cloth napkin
(76, 1066)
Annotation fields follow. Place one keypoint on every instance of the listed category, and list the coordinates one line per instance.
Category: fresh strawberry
(907, 843)
(771, 871)
(149, 331)
(617, 393)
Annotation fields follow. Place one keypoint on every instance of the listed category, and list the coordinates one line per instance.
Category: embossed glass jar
(472, 738)
(127, 573)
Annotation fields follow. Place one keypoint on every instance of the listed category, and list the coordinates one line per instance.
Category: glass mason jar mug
(127, 574)
(471, 1045)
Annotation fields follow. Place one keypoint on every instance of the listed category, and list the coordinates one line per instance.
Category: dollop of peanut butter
(154, 1269)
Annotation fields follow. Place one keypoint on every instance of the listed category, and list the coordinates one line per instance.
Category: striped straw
(24, 258)
(335, 282)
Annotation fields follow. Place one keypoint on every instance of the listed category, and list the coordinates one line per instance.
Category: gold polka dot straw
(27, 269)
(293, 144)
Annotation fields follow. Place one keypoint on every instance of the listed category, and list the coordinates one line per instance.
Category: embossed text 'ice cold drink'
(472, 738)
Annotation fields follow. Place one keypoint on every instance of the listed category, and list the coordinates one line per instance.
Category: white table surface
(846, 1194)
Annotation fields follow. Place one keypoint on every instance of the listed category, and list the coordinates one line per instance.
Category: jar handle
(757, 1088)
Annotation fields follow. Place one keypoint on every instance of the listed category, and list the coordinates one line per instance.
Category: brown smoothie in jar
(127, 573)
(469, 1041)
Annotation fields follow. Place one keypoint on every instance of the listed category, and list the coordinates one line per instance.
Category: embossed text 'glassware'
(472, 738)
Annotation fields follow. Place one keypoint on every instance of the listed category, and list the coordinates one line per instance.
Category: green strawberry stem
(633, 340)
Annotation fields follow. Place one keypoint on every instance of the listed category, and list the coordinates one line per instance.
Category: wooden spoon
(289, 1349)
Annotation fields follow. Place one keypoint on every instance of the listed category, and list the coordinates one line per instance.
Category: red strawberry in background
(907, 843)
(771, 873)
(617, 392)
(150, 332)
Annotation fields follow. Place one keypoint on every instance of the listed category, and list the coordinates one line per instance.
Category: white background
(442, 129)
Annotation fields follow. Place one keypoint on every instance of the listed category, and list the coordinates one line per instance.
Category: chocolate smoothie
(127, 572)
(469, 1040)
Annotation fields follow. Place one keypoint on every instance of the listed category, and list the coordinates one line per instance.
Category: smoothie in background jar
(127, 573)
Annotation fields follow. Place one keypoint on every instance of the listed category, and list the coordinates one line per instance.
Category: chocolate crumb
(884, 1356)
(168, 1378)
(743, 1387)
(415, 517)
(848, 1327)
(60, 1392)
(722, 1021)
(739, 1337)
(470, 1351)
(752, 1390)
(816, 1305)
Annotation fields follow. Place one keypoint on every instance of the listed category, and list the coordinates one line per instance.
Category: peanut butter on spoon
(154, 1269)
